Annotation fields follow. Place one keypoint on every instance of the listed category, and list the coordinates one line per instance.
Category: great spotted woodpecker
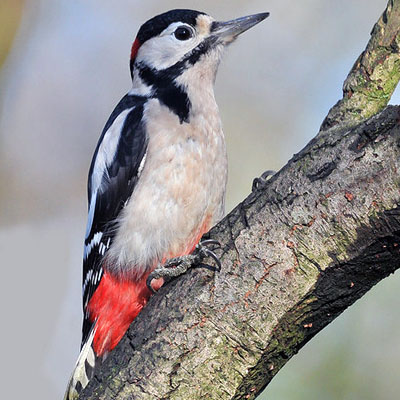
(158, 175)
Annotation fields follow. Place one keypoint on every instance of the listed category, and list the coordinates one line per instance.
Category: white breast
(183, 181)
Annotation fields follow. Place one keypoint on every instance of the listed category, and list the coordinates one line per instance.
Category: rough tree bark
(295, 254)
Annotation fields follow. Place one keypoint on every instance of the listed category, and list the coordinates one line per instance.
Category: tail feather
(84, 369)
(113, 306)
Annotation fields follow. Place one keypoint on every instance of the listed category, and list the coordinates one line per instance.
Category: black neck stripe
(167, 90)
(164, 83)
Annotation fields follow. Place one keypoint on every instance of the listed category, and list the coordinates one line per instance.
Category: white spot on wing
(95, 241)
(102, 249)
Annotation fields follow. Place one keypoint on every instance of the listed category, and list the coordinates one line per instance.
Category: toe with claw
(179, 265)
(262, 180)
(202, 251)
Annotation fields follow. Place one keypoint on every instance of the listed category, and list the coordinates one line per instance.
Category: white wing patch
(104, 158)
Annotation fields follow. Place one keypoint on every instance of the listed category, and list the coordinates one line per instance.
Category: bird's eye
(183, 33)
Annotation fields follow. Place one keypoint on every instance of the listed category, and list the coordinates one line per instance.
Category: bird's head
(178, 39)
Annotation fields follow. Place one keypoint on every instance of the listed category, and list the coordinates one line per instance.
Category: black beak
(229, 30)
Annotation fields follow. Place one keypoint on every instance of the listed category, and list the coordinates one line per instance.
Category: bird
(157, 180)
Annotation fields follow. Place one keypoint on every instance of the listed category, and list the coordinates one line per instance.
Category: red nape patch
(135, 49)
(114, 305)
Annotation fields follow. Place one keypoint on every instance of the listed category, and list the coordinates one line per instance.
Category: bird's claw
(179, 265)
(204, 251)
(262, 180)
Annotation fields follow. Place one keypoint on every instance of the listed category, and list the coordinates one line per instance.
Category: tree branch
(295, 254)
(374, 76)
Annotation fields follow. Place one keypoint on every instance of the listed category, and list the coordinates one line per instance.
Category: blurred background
(64, 66)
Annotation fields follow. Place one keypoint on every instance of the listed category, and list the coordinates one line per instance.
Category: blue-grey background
(66, 69)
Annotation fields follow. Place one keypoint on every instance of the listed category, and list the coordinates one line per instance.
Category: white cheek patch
(165, 50)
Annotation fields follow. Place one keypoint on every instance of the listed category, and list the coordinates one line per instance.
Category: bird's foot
(262, 180)
(179, 265)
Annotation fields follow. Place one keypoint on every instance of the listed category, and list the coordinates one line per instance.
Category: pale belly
(180, 194)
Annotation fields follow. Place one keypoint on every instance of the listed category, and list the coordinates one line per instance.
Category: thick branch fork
(295, 254)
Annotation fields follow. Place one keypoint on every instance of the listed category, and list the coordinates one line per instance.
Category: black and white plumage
(114, 171)
(158, 175)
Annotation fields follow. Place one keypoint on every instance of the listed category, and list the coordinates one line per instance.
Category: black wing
(113, 175)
